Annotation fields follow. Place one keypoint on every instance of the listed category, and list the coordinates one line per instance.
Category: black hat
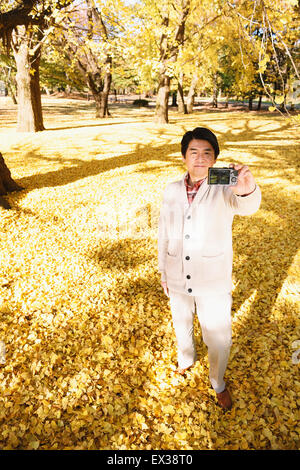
(201, 133)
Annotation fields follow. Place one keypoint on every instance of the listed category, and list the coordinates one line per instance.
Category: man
(195, 253)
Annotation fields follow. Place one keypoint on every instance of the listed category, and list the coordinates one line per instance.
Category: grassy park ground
(90, 348)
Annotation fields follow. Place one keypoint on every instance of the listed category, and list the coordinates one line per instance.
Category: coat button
(187, 236)
(187, 257)
(190, 290)
(188, 276)
(188, 217)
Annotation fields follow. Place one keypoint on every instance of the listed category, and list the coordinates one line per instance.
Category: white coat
(195, 240)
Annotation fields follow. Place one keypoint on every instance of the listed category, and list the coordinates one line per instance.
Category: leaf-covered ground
(90, 348)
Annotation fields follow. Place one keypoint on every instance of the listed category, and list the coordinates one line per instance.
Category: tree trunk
(215, 91)
(30, 116)
(250, 103)
(12, 93)
(161, 110)
(168, 53)
(7, 184)
(259, 102)
(226, 101)
(191, 93)
(181, 104)
(174, 98)
(106, 89)
(101, 100)
(100, 88)
(10, 89)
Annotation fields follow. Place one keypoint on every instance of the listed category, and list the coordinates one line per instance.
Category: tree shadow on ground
(67, 110)
(99, 124)
(81, 169)
(123, 254)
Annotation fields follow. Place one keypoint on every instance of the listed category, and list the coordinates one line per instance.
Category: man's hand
(246, 182)
(165, 288)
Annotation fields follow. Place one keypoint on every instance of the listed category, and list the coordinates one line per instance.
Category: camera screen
(218, 176)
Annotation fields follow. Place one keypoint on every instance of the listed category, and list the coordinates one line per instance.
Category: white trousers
(214, 314)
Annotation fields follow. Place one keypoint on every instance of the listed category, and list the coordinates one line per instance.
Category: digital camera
(222, 176)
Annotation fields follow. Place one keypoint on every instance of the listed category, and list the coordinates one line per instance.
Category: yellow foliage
(90, 348)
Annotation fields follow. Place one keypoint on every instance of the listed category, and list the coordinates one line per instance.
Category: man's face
(199, 157)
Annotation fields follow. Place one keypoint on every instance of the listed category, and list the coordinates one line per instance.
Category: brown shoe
(224, 399)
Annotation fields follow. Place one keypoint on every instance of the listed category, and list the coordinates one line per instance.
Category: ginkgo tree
(56, 73)
(245, 51)
(161, 34)
(201, 57)
(170, 39)
(274, 34)
(197, 63)
(92, 40)
(24, 27)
